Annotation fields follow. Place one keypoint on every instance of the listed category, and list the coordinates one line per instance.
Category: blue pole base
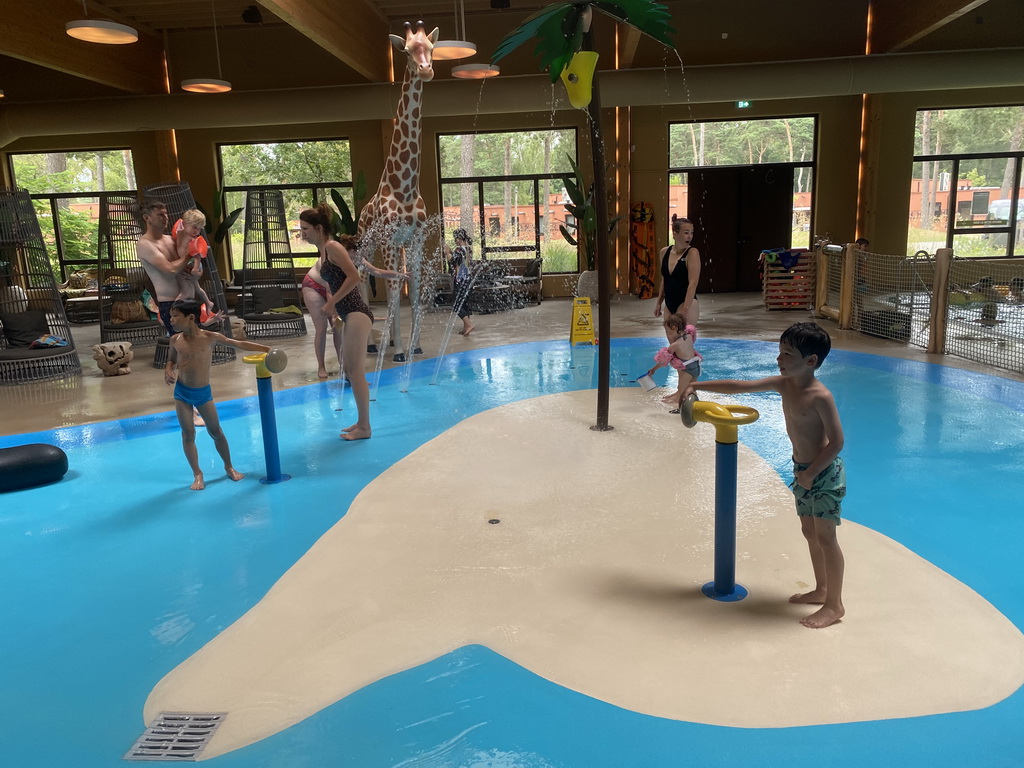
(281, 479)
(737, 594)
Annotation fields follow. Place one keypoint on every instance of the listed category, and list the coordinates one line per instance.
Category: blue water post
(726, 419)
(724, 587)
(268, 418)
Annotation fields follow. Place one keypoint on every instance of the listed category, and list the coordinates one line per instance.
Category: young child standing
(192, 354)
(679, 354)
(819, 484)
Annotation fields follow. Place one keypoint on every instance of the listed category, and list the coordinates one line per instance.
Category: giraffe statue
(395, 218)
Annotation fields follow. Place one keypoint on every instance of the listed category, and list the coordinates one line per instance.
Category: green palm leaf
(648, 17)
(558, 29)
(531, 28)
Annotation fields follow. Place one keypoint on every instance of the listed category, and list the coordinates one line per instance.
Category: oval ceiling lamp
(476, 71)
(455, 49)
(205, 85)
(100, 31)
(209, 84)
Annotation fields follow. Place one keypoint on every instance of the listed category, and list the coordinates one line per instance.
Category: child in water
(679, 354)
(188, 369)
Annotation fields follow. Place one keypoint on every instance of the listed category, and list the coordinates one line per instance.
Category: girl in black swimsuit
(341, 275)
(680, 273)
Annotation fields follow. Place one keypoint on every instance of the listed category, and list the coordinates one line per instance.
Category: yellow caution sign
(582, 330)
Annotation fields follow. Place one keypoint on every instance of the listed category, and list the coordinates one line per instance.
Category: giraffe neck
(402, 170)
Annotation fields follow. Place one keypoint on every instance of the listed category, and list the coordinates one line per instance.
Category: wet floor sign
(582, 330)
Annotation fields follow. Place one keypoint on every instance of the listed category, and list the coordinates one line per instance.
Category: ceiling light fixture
(458, 48)
(476, 71)
(209, 84)
(100, 31)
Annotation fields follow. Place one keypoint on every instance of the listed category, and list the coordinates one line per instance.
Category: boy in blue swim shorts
(192, 356)
(819, 479)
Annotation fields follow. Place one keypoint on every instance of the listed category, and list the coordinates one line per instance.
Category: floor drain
(176, 736)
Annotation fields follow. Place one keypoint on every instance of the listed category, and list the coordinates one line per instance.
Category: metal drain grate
(176, 736)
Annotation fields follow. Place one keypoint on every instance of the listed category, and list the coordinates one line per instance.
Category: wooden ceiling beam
(895, 24)
(34, 32)
(354, 32)
(628, 40)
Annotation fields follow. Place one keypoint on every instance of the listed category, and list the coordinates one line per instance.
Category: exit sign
(742, 104)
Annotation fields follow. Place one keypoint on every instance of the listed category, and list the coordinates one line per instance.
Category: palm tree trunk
(604, 317)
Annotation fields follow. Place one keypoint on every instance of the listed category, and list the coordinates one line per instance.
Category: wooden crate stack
(789, 288)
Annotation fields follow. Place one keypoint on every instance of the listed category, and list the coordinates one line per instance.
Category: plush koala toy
(113, 357)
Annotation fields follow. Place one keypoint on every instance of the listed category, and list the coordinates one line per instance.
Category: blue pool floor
(117, 574)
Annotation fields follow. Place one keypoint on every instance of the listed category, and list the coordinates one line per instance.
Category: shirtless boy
(192, 354)
(819, 484)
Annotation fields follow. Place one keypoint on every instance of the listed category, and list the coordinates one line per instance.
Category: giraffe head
(418, 48)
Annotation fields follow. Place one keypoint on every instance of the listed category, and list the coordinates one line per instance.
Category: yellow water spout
(578, 78)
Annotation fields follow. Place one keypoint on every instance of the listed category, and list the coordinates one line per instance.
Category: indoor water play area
(489, 582)
(509, 547)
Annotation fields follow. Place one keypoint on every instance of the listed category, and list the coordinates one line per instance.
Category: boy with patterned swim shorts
(819, 483)
(192, 354)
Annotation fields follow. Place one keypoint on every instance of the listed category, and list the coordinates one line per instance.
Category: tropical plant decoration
(344, 222)
(584, 216)
(559, 29)
(218, 224)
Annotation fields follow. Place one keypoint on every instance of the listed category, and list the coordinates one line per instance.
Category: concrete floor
(93, 397)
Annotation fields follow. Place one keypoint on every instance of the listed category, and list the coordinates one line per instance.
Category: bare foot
(823, 617)
(234, 474)
(199, 484)
(355, 433)
(197, 420)
(322, 373)
(814, 597)
(467, 330)
(350, 429)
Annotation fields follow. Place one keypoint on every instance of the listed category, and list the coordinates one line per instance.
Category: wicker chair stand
(268, 270)
(31, 310)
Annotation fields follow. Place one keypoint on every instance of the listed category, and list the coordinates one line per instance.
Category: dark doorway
(738, 212)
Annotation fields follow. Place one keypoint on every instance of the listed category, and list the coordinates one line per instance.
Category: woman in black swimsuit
(680, 273)
(340, 273)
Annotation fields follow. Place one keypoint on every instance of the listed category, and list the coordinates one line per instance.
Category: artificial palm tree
(562, 31)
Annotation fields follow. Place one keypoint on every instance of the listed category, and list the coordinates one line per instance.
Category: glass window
(966, 182)
(507, 153)
(66, 188)
(506, 187)
(741, 142)
(777, 140)
(968, 131)
(305, 171)
(285, 163)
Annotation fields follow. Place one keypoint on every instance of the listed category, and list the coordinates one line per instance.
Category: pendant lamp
(100, 30)
(209, 84)
(476, 71)
(459, 48)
